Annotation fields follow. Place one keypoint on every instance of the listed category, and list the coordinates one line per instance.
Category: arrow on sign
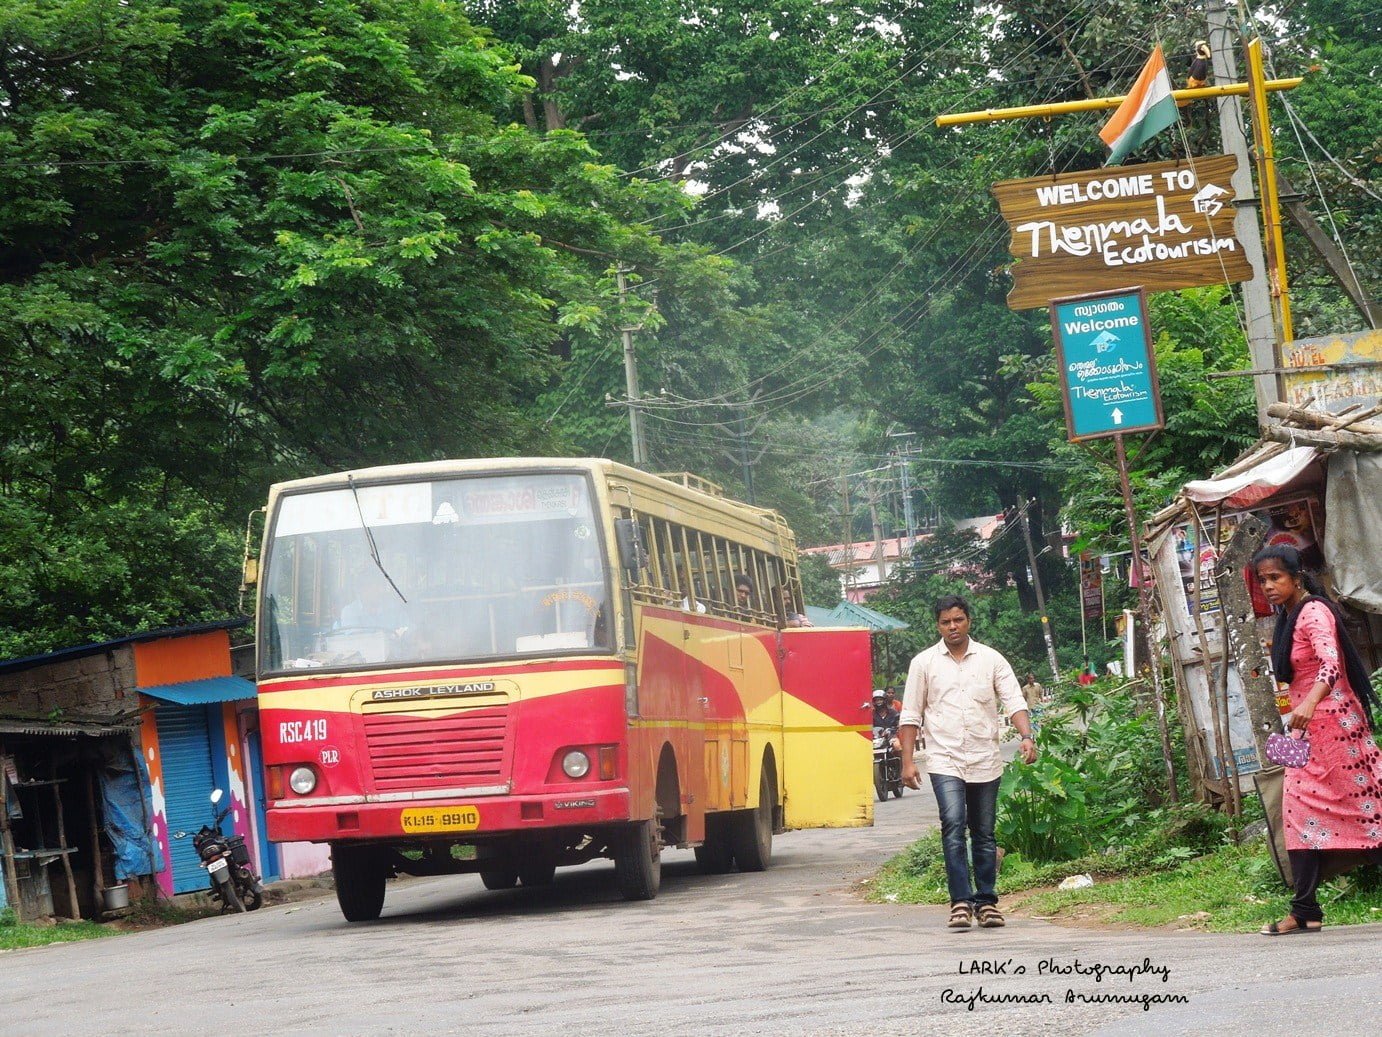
(1117, 416)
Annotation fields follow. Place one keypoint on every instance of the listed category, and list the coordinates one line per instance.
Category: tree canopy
(245, 240)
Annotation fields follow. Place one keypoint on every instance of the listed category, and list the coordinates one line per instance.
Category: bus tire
(638, 860)
(539, 872)
(715, 856)
(500, 878)
(751, 831)
(359, 874)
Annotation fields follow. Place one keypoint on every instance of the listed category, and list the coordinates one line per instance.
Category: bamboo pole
(1327, 438)
(1094, 104)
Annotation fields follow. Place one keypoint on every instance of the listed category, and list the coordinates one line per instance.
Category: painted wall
(153, 759)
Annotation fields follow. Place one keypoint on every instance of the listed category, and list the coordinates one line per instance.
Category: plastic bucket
(116, 897)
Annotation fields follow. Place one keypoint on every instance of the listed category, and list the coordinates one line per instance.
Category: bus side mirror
(250, 576)
(632, 555)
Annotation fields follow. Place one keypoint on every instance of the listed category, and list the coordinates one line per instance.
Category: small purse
(1286, 751)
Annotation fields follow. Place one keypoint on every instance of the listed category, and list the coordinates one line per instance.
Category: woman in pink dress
(1334, 802)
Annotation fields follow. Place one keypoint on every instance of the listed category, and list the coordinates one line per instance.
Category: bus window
(469, 567)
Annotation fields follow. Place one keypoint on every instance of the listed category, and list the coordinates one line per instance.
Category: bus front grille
(441, 748)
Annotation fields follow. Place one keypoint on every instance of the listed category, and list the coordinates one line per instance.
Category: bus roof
(697, 499)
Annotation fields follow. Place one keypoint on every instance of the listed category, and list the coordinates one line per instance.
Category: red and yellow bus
(545, 660)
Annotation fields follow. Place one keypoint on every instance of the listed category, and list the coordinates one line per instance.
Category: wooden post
(1145, 609)
(67, 854)
(7, 844)
(97, 872)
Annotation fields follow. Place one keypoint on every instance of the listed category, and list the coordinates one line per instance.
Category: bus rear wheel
(751, 831)
(359, 873)
(499, 878)
(638, 860)
(538, 872)
(715, 856)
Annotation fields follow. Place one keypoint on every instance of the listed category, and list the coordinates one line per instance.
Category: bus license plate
(426, 820)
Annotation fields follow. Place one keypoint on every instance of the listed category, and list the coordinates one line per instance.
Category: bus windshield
(484, 567)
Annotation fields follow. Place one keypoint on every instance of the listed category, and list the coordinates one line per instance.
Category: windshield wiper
(369, 535)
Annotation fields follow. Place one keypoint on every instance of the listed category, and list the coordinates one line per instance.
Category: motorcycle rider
(885, 716)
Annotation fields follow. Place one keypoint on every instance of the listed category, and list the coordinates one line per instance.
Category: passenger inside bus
(791, 617)
(743, 593)
(377, 607)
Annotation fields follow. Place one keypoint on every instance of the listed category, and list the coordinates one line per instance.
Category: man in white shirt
(955, 689)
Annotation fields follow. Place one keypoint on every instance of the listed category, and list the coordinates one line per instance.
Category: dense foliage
(243, 240)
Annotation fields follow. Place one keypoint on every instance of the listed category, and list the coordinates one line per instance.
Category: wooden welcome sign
(1162, 225)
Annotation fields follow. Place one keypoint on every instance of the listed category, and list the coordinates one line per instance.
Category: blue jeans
(968, 805)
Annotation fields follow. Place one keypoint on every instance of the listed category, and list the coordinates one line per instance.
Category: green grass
(1233, 889)
(14, 935)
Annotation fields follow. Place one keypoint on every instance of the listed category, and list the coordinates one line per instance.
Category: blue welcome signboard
(1107, 368)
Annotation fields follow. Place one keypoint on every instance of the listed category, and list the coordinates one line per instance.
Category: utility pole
(640, 449)
(1257, 298)
(1040, 594)
(848, 520)
(905, 473)
(879, 555)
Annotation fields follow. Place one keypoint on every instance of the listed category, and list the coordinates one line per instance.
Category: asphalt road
(790, 951)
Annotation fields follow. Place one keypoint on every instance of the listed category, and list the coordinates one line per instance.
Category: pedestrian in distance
(1033, 692)
(1333, 801)
(954, 690)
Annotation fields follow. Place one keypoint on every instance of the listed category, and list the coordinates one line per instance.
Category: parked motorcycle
(887, 764)
(227, 860)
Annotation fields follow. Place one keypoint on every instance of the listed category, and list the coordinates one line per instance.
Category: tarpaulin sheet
(128, 810)
(1257, 483)
(1353, 528)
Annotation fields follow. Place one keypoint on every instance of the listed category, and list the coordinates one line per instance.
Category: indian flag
(1148, 109)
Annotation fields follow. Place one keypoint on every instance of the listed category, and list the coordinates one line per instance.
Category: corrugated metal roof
(68, 726)
(851, 613)
(80, 651)
(205, 692)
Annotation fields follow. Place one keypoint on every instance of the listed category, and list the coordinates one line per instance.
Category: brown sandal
(990, 917)
(961, 916)
(1278, 928)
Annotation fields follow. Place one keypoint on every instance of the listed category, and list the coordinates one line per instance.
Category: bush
(1097, 785)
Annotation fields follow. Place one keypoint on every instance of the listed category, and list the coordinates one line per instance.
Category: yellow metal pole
(1095, 104)
(1267, 190)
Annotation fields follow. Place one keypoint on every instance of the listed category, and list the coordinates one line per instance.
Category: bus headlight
(575, 764)
(303, 780)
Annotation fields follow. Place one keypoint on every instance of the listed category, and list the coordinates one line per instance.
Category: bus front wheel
(359, 873)
(638, 860)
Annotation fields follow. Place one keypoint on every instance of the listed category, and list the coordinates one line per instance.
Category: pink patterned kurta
(1334, 802)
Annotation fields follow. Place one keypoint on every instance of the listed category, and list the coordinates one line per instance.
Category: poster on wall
(1240, 737)
(1296, 521)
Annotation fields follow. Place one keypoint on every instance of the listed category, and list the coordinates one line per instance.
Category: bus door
(826, 736)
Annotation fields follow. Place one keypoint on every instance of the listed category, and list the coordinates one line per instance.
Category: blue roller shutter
(184, 740)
